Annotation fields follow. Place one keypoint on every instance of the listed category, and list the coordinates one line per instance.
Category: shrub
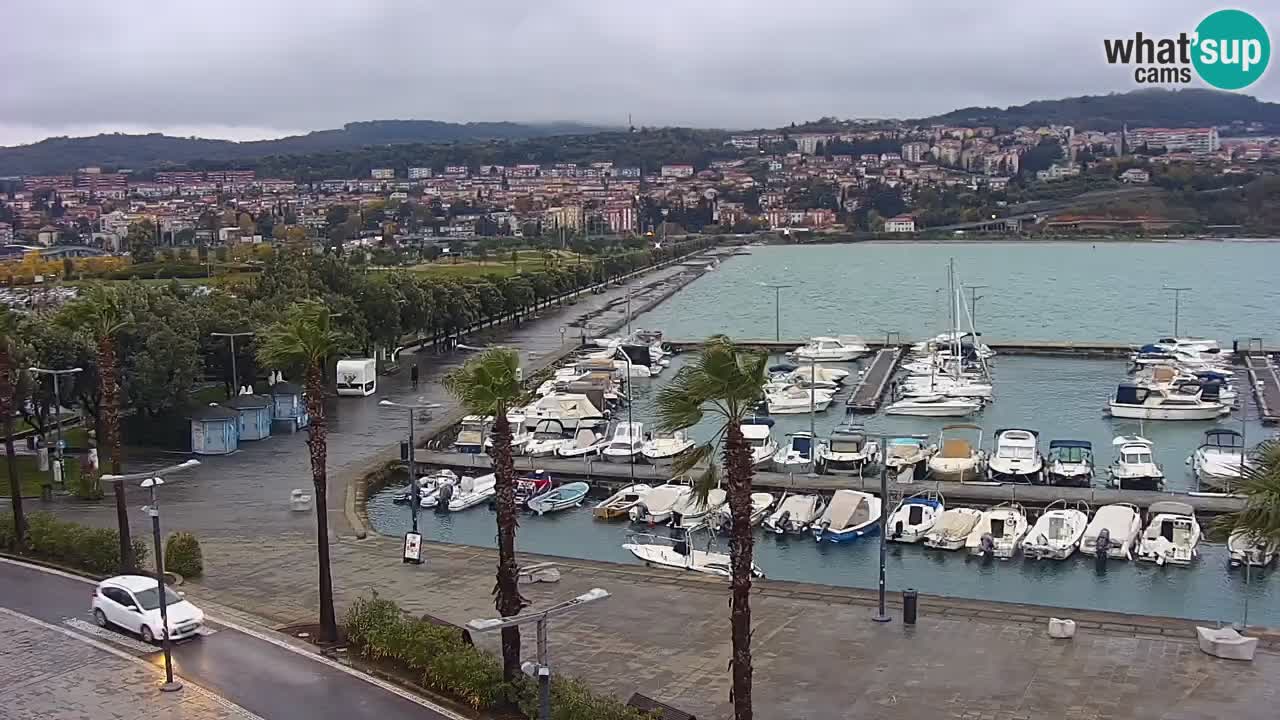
(94, 550)
(182, 555)
(571, 699)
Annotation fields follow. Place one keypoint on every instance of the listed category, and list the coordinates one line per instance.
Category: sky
(249, 70)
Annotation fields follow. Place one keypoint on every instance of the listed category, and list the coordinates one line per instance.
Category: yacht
(795, 400)
(470, 492)
(1135, 467)
(588, 439)
(952, 528)
(1247, 550)
(1070, 463)
(656, 506)
(1172, 535)
(618, 504)
(915, 516)
(568, 408)
(797, 455)
(851, 514)
(625, 446)
(1141, 402)
(1113, 530)
(832, 349)
(907, 459)
(1057, 532)
(691, 511)
(472, 432)
(847, 450)
(795, 513)
(1220, 461)
(957, 459)
(760, 438)
(934, 406)
(680, 554)
(998, 532)
(663, 450)
(760, 504)
(952, 387)
(548, 436)
(1016, 458)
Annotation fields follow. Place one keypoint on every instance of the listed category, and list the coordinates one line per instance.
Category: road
(268, 679)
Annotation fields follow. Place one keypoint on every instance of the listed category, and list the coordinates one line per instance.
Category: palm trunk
(109, 410)
(507, 591)
(741, 540)
(15, 487)
(317, 443)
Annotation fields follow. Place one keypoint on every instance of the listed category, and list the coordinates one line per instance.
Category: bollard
(909, 601)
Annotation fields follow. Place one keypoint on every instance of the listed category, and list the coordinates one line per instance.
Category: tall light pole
(881, 615)
(150, 481)
(974, 297)
(1177, 304)
(414, 499)
(235, 376)
(57, 427)
(777, 307)
(631, 426)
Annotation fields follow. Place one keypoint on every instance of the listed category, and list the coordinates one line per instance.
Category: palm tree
(726, 383)
(1260, 484)
(8, 325)
(488, 385)
(302, 341)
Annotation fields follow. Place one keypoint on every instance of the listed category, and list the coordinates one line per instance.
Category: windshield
(1016, 452)
(150, 599)
(1138, 457)
(846, 446)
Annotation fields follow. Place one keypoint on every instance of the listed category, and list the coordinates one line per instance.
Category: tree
(8, 385)
(141, 241)
(725, 382)
(488, 385)
(1260, 484)
(302, 341)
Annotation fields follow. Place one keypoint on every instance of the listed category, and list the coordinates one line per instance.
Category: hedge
(182, 555)
(94, 550)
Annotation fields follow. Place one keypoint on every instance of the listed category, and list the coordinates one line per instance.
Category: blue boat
(851, 514)
(560, 498)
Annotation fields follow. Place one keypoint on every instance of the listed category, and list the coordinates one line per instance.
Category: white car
(132, 602)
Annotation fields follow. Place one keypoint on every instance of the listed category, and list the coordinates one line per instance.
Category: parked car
(132, 602)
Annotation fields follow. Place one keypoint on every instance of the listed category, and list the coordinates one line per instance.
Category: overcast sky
(247, 70)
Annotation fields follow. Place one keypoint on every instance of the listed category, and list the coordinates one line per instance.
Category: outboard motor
(897, 530)
(822, 530)
(1101, 550)
(445, 495)
(987, 545)
(638, 511)
(676, 519)
(783, 522)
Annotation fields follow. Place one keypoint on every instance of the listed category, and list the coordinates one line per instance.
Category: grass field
(31, 478)
(499, 264)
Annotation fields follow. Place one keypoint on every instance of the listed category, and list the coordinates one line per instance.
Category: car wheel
(100, 618)
(147, 637)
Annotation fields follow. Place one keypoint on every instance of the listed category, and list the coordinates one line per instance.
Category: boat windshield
(757, 442)
(846, 446)
(1136, 457)
(547, 435)
(1070, 454)
(1016, 452)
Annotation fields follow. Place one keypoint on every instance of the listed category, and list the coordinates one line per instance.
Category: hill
(1151, 107)
(65, 154)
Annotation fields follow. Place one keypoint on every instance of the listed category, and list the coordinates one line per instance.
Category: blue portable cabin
(255, 415)
(215, 430)
(288, 406)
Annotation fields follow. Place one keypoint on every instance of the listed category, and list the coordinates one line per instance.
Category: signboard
(412, 548)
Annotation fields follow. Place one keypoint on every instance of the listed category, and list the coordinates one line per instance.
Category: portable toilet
(255, 415)
(289, 406)
(215, 430)
(357, 376)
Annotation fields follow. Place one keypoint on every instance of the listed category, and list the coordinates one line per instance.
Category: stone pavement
(818, 655)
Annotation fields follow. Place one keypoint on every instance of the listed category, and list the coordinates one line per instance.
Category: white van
(358, 376)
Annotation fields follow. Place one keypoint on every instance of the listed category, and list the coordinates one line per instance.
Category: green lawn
(497, 264)
(31, 478)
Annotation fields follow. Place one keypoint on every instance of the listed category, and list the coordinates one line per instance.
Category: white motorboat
(1057, 532)
(1172, 535)
(1113, 530)
(568, 495)
(1191, 344)
(1016, 458)
(944, 341)
(657, 504)
(1220, 461)
(472, 432)
(797, 455)
(432, 488)
(547, 437)
(850, 515)
(470, 492)
(588, 439)
(832, 349)
(520, 437)
(847, 450)
(568, 408)
(1210, 385)
(1249, 550)
(1140, 402)
(1135, 467)
(962, 387)
(1070, 463)
(618, 504)
(665, 449)
(952, 528)
(680, 554)
(915, 516)
(760, 504)
(934, 406)
(760, 438)
(957, 459)
(999, 532)
(819, 376)
(628, 439)
(691, 511)
(907, 459)
(795, 400)
(795, 513)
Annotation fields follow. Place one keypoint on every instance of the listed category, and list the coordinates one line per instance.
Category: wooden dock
(1266, 386)
(613, 476)
(869, 392)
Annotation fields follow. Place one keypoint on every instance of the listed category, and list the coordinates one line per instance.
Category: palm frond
(1260, 484)
(303, 338)
(487, 384)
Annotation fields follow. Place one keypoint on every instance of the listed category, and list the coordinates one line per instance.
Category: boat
(560, 498)
(759, 438)
(1193, 344)
(1070, 463)
(819, 376)
(1251, 551)
(531, 486)
(915, 516)
(617, 504)
(760, 504)
(665, 449)
(998, 532)
(851, 514)
(470, 492)
(430, 487)
(568, 408)
(1220, 461)
(691, 511)
(657, 504)
(1016, 458)
(1172, 535)
(587, 440)
(957, 459)
(794, 514)
(1135, 467)
(1057, 532)
(847, 450)
(625, 446)
(520, 437)
(797, 455)
(795, 400)
(907, 459)
(680, 554)
(547, 437)
(952, 528)
(934, 406)
(831, 349)
(947, 386)
(1141, 402)
(1113, 530)
(471, 434)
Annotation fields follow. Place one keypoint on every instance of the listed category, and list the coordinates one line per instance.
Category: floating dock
(869, 392)
(977, 494)
(1266, 386)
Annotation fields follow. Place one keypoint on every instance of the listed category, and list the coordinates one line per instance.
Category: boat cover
(848, 509)
(1170, 507)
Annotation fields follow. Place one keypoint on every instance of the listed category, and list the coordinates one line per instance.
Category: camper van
(358, 377)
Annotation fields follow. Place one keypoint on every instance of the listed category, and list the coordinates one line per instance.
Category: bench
(1226, 643)
(660, 710)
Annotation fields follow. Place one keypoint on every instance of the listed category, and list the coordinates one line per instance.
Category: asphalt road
(261, 677)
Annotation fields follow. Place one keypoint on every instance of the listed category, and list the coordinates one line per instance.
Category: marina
(869, 392)
(1266, 385)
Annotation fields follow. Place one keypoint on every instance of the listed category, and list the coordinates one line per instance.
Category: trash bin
(404, 450)
(909, 599)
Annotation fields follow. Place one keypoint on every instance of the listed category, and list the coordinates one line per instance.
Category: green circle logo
(1232, 49)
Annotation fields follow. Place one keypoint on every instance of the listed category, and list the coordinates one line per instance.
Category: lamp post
(881, 615)
(777, 307)
(1177, 304)
(57, 427)
(235, 376)
(974, 297)
(542, 668)
(414, 499)
(631, 426)
(150, 481)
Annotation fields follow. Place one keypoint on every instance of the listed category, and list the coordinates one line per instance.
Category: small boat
(429, 487)
(520, 437)
(831, 349)
(1114, 530)
(1057, 532)
(934, 406)
(819, 376)
(962, 387)
(656, 506)
(1070, 463)
(797, 455)
(794, 514)
(795, 400)
(851, 514)
(760, 504)
(915, 516)
(1016, 458)
(999, 532)
(547, 437)
(625, 446)
(1220, 461)
(847, 450)
(957, 459)
(1172, 535)
(470, 492)
(760, 438)
(561, 498)
(691, 511)
(1193, 344)
(569, 408)
(907, 459)
(1135, 467)
(680, 554)
(472, 433)
(617, 504)
(1141, 402)
(664, 450)
(952, 528)
(588, 439)
(531, 486)
(1251, 551)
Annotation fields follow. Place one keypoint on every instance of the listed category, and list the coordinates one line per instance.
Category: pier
(1266, 386)
(869, 392)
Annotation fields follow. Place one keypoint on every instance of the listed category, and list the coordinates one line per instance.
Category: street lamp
(414, 499)
(235, 376)
(1177, 304)
(631, 426)
(883, 439)
(61, 476)
(542, 668)
(777, 307)
(150, 481)
(974, 297)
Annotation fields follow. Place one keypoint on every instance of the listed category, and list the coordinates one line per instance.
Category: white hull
(696, 561)
(955, 470)
(1141, 412)
(620, 456)
(1122, 522)
(950, 408)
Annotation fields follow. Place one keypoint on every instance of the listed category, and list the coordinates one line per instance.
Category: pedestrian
(413, 375)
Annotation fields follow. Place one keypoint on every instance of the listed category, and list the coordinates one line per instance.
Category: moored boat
(952, 528)
(1016, 458)
(1113, 530)
(915, 516)
(1172, 536)
(560, 498)
(851, 514)
(998, 532)
(1070, 463)
(794, 514)
(657, 504)
(1057, 532)
(618, 504)
(1135, 467)
(957, 460)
